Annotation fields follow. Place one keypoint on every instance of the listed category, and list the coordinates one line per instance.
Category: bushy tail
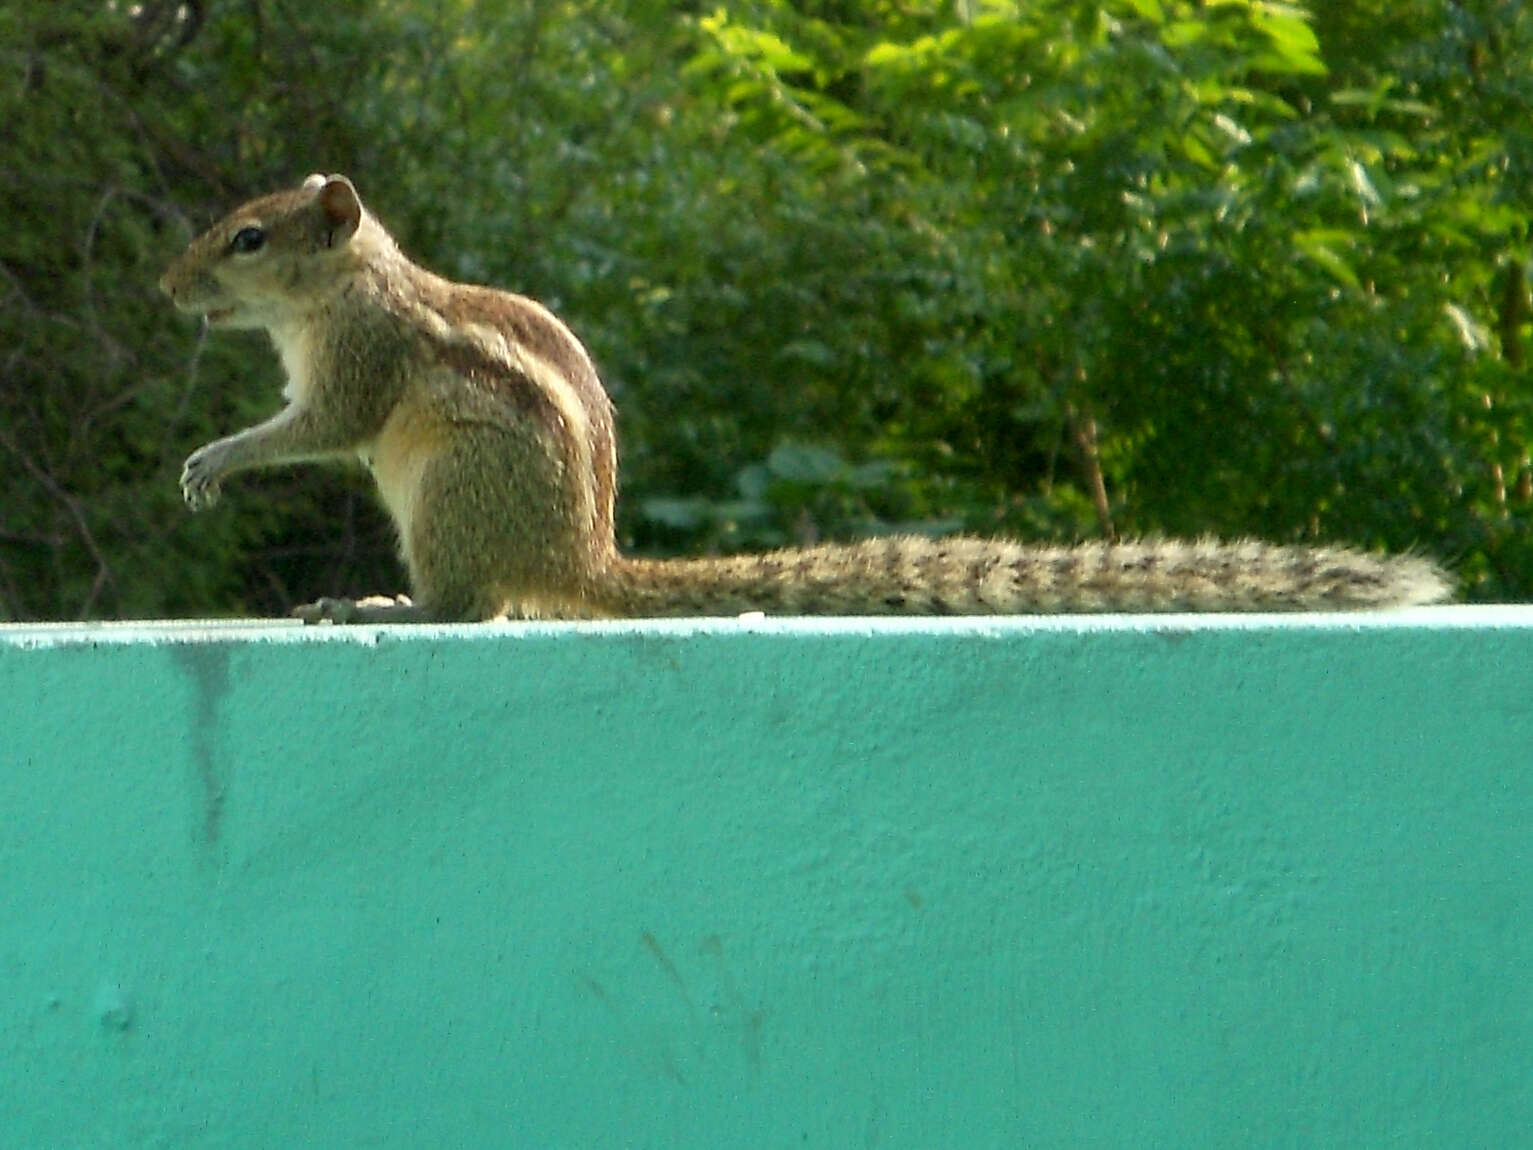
(966, 576)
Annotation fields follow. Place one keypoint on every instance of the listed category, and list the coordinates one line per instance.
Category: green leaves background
(1046, 269)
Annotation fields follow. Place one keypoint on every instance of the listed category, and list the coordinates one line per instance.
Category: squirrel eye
(248, 240)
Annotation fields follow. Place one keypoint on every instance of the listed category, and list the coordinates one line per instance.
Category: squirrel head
(273, 260)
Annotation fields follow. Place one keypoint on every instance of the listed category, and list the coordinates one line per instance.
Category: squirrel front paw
(200, 475)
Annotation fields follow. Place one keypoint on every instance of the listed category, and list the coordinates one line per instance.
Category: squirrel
(490, 437)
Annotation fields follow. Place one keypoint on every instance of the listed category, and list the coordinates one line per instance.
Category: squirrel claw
(199, 481)
(326, 610)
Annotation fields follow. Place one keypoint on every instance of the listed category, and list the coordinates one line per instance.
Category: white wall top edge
(1453, 617)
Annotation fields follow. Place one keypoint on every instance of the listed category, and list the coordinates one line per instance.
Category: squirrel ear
(342, 207)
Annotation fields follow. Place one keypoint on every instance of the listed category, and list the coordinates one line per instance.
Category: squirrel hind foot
(373, 609)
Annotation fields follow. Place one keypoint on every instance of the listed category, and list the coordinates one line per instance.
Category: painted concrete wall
(1113, 882)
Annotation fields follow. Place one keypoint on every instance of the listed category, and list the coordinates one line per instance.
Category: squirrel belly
(487, 430)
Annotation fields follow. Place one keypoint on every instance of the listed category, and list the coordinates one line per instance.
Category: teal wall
(1073, 883)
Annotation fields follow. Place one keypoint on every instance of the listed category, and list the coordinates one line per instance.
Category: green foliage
(1220, 266)
(1049, 269)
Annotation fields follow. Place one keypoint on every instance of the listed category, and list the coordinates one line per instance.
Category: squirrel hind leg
(483, 544)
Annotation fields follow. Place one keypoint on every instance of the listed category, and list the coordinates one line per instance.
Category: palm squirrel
(490, 437)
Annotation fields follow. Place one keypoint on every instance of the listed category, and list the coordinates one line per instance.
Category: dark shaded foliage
(1049, 269)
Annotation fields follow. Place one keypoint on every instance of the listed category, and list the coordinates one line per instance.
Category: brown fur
(491, 440)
